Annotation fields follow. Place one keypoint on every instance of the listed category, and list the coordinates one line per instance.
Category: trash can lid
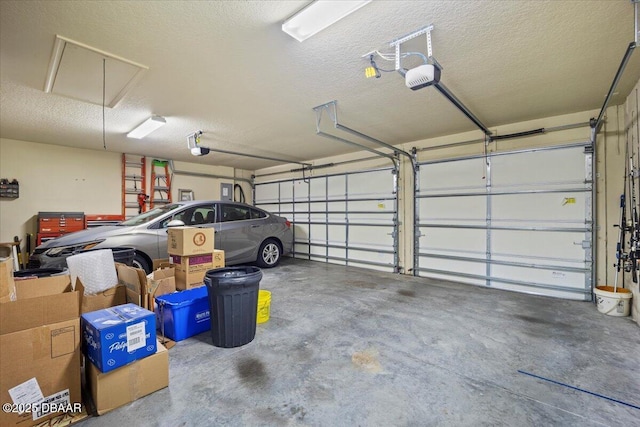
(233, 271)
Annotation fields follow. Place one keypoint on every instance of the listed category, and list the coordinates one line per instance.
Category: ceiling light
(317, 16)
(148, 126)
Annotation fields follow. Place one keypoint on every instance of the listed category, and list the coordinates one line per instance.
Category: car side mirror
(175, 223)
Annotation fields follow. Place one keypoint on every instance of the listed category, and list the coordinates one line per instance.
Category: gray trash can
(233, 299)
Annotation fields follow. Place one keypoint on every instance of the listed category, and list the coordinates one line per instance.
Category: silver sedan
(247, 234)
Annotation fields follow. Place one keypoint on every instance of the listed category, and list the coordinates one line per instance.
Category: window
(256, 214)
(194, 216)
(235, 213)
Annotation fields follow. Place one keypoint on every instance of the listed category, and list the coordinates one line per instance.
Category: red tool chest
(55, 224)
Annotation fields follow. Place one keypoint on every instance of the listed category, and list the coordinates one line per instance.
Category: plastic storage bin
(233, 297)
(183, 314)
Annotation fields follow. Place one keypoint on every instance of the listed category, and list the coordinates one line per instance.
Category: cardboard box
(128, 383)
(141, 288)
(184, 314)
(118, 335)
(110, 298)
(161, 282)
(40, 349)
(190, 270)
(40, 302)
(45, 361)
(135, 282)
(218, 258)
(7, 285)
(157, 263)
(188, 241)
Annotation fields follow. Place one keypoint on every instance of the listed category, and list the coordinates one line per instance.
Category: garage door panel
(268, 193)
(317, 232)
(338, 233)
(371, 183)
(362, 235)
(286, 192)
(300, 217)
(376, 205)
(301, 231)
(367, 218)
(337, 187)
(451, 239)
(317, 250)
(335, 207)
(538, 243)
(318, 188)
(337, 253)
(452, 278)
(555, 208)
(558, 165)
(454, 176)
(549, 292)
(300, 190)
(543, 276)
(377, 257)
(453, 265)
(453, 210)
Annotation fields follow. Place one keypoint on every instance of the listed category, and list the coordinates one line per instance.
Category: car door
(241, 232)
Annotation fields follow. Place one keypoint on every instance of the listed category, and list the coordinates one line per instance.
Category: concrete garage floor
(353, 347)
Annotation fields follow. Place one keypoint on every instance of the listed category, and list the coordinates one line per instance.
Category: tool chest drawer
(60, 222)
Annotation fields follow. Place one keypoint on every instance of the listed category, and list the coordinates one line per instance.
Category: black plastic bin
(233, 299)
(121, 254)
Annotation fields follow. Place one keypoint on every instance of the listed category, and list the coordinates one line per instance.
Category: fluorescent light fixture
(317, 16)
(148, 126)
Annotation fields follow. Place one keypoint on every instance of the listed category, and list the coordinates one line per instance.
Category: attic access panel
(77, 71)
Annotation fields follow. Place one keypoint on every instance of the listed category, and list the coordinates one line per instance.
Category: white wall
(54, 179)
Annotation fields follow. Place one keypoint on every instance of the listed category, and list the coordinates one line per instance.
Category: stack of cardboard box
(39, 348)
(115, 374)
(41, 344)
(125, 361)
(191, 251)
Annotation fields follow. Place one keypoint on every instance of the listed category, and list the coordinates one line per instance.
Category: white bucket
(613, 303)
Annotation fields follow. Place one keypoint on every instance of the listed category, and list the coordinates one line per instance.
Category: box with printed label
(118, 335)
(184, 314)
(189, 241)
(190, 270)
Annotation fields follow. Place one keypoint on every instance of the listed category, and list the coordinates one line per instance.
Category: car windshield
(148, 216)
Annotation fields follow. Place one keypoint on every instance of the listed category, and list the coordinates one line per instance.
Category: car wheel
(269, 254)
(139, 261)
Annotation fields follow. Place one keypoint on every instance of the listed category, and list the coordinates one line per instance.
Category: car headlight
(69, 250)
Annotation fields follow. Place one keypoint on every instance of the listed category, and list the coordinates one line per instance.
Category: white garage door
(348, 219)
(519, 221)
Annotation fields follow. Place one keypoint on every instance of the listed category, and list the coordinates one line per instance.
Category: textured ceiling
(227, 68)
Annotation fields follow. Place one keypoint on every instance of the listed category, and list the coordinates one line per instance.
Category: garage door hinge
(586, 244)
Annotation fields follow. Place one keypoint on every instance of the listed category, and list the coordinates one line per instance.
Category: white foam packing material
(96, 270)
